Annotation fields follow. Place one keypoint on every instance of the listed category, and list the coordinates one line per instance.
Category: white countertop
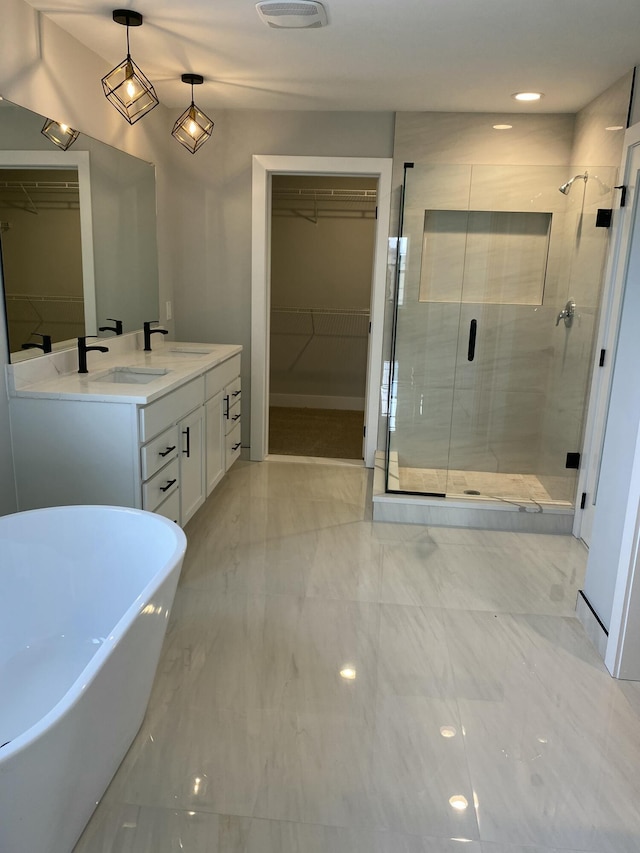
(54, 377)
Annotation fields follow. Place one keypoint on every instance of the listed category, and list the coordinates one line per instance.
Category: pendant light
(130, 92)
(60, 134)
(193, 128)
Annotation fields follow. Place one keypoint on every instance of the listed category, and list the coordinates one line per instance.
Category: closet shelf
(326, 322)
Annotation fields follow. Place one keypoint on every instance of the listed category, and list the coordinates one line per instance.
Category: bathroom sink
(132, 375)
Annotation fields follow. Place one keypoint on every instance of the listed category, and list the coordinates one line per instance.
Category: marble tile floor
(477, 718)
(489, 484)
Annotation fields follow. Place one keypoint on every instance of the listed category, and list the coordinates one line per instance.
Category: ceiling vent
(292, 14)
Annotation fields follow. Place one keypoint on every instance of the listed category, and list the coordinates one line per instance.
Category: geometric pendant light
(130, 92)
(60, 134)
(193, 128)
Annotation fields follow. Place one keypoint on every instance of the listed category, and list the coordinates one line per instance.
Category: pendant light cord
(128, 50)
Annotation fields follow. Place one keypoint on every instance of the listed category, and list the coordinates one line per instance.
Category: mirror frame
(66, 160)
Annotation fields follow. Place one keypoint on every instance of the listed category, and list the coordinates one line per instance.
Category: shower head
(565, 189)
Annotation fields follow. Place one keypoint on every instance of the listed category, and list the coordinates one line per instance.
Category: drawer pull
(236, 446)
(187, 432)
(226, 407)
(167, 451)
(235, 418)
(168, 486)
(236, 393)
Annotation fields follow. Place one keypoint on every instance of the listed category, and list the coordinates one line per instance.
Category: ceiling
(443, 55)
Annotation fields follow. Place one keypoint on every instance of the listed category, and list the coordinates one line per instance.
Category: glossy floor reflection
(333, 685)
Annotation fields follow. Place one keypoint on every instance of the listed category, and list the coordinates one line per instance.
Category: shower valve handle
(567, 314)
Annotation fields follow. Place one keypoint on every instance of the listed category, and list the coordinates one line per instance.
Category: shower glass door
(489, 386)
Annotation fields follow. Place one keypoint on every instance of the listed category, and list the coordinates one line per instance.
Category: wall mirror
(77, 236)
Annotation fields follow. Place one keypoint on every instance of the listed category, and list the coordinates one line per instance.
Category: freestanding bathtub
(84, 601)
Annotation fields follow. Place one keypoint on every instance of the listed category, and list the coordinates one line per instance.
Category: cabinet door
(214, 442)
(191, 433)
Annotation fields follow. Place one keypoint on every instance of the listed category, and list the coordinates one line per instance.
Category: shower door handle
(471, 350)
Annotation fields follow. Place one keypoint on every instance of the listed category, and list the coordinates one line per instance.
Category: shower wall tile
(512, 350)
(451, 138)
(428, 343)
(496, 432)
(422, 426)
(438, 187)
(593, 143)
(518, 188)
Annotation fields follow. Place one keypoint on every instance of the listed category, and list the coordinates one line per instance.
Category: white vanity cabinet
(222, 395)
(165, 456)
(192, 464)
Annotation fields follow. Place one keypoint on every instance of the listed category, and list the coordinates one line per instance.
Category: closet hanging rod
(326, 194)
(40, 185)
(39, 297)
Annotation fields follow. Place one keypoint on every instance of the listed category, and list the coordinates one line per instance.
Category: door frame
(264, 167)
(608, 329)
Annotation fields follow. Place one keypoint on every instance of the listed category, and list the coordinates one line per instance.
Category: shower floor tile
(479, 484)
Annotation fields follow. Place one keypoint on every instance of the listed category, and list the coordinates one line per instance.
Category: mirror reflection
(77, 249)
(41, 256)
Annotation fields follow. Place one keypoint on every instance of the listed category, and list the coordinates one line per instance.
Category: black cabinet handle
(471, 351)
(167, 451)
(235, 418)
(187, 432)
(168, 486)
(226, 407)
(236, 393)
(236, 446)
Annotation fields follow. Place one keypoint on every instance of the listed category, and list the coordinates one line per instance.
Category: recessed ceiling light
(502, 126)
(458, 802)
(348, 673)
(448, 731)
(615, 127)
(527, 96)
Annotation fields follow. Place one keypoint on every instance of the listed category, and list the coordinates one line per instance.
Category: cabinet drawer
(233, 418)
(160, 486)
(159, 415)
(233, 389)
(171, 507)
(232, 446)
(158, 452)
(221, 375)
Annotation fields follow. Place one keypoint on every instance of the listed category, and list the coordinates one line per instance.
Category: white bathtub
(85, 595)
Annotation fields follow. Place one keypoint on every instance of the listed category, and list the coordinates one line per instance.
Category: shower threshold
(485, 500)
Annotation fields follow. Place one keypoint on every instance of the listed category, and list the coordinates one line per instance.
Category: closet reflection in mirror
(113, 222)
(41, 255)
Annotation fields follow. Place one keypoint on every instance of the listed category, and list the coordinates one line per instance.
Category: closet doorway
(323, 231)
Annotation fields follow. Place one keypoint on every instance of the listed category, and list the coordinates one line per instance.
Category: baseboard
(316, 401)
(593, 627)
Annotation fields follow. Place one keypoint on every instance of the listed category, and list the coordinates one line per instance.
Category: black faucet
(117, 328)
(148, 331)
(45, 346)
(83, 349)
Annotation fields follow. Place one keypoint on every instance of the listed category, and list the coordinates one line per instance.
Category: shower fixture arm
(565, 189)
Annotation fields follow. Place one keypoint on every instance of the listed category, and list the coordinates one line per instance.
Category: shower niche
(487, 390)
(481, 256)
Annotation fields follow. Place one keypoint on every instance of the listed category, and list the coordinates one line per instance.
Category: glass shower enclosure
(498, 277)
